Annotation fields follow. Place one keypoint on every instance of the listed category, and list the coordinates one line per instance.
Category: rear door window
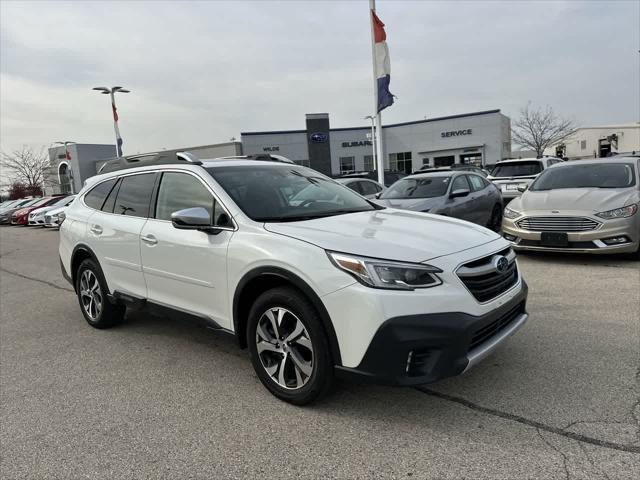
(96, 196)
(134, 195)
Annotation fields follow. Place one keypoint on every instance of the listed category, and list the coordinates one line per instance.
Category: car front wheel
(288, 346)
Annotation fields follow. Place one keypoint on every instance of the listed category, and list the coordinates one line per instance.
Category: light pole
(111, 92)
(67, 156)
(373, 140)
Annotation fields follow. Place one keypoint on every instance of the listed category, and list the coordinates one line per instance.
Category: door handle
(96, 229)
(149, 239)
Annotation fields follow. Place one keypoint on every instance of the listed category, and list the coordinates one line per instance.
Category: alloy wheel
(90, 294)
(284, 348)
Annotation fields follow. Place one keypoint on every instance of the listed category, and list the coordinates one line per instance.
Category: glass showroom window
(400, 162)
(304, 163)
(347, 165)
(368, 163)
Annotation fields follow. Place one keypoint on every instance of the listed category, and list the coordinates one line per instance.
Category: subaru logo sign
(318, 137)
(500, 263)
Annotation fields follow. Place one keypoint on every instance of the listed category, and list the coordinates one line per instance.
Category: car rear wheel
(288, 346)
(495, 221)
(91, 289)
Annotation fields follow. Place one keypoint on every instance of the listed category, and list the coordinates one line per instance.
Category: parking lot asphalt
(154, 398)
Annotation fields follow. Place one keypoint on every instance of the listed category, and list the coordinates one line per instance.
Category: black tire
(298, 309)
(495, 221)
(108, 314)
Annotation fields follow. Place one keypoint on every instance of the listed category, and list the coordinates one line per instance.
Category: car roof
(518, 160)
(595, 161)
(186, 166)
(444, 173)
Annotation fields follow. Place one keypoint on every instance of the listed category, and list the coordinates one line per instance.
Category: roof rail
(188, 157)
(148, 159)
(267, 157)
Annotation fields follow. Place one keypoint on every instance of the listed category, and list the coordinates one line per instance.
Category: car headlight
(619, 212)
(509, 213)
(387, 274)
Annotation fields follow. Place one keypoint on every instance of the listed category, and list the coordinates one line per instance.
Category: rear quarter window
(97, 195)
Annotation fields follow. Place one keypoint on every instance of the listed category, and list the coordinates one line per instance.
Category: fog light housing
(509, 237)
(615, 240)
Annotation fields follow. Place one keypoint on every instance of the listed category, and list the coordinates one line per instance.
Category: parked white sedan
(364, 186)
(37, 217)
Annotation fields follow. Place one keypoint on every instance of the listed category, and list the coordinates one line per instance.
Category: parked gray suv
(463, 195)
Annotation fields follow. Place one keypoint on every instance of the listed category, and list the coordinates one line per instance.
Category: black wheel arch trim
(81, 247)
(298, 283)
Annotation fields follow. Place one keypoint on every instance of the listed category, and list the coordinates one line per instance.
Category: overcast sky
(202, 72)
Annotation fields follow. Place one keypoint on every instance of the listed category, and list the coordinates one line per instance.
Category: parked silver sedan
(587, 206)
(463, 195)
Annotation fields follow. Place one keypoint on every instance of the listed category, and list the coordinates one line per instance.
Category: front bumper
(423, 348)
(592, 241)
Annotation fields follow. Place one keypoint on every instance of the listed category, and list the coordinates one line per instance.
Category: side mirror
(461, 192)
(191, 219)
(377, 195)
(523, 188)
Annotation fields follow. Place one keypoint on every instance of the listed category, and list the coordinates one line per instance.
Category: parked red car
(21, 217)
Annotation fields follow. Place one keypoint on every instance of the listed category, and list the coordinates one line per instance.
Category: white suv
(513, 177)
(331, 285)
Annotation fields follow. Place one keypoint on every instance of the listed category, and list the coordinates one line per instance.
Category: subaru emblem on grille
(500, 263)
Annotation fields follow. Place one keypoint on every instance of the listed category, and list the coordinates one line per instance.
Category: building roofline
(368, 127)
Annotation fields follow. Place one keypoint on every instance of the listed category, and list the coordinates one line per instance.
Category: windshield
(62, 201)
(286, 193)
(605, 175)
(418, 187)
(517, 169)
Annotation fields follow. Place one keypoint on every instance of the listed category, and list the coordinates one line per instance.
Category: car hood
(42, 209)
(415, 204)
(57, 210)
(390, 234)
(588, 199)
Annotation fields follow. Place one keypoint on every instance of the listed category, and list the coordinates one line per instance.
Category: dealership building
(480, 138)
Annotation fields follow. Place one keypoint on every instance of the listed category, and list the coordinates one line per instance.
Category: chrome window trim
(162, 170)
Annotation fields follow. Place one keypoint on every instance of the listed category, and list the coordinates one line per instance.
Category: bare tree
(539, 129)
(26, 166)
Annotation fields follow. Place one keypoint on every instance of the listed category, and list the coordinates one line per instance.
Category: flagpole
(378, 118)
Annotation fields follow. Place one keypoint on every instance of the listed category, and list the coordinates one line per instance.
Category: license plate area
(554, 239)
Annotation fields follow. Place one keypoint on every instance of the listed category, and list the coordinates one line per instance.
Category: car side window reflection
(460, 183)
(476, 183)
(179, 191)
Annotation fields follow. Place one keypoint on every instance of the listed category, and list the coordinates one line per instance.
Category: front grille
(537, 243)
(485, 333)
(491, 284)
(557, 224)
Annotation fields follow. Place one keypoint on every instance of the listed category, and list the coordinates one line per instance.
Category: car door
(114, 232)
(460, 207)
(186, 269)
(481, 199)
